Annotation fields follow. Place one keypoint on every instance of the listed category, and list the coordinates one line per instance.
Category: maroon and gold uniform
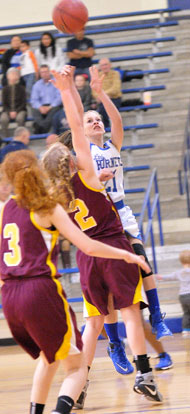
(94, 214)
(33, 300)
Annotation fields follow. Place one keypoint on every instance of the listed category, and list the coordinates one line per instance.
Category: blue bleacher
(161, 12)
(140, 107)
(144, 89)
(154, 25)
(137, 57)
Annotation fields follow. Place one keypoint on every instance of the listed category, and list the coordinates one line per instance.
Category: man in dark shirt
(80, 51)
(20, 141)
(11, 58)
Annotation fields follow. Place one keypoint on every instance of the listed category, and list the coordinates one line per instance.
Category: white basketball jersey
(109, 157)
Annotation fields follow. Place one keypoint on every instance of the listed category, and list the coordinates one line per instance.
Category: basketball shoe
(165, 362)
(79, 404)
(117, 354)
(159, 328)
(145, 385)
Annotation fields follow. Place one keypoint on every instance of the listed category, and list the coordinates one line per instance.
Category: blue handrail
(150, 205)
(184, 170)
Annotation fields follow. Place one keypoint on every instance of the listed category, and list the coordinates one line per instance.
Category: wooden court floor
(108, 392)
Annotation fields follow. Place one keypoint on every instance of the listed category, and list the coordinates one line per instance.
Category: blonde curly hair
(56, 162)
(22, 170)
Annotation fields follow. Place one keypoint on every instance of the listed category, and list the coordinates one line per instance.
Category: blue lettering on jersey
(102, 162)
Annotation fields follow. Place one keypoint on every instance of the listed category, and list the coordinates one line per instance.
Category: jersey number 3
(81, 216)
(11, 232)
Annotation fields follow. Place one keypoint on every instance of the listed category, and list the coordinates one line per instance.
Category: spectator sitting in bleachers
(29, 66)
(13, 101)
(45, 101)
(80, 50)
(20, 141)
(11, 58)
(48, 53)
(59, 122)
(85, 92)
(111, 85)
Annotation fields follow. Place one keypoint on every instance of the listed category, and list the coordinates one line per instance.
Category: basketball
(70, 16)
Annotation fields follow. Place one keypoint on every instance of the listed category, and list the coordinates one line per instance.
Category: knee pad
(140, 251)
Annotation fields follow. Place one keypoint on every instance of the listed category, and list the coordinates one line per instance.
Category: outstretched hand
(96, 80)
(133, 258)
(63, 80)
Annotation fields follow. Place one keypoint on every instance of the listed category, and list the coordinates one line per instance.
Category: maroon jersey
(93, 212)
(27, 249)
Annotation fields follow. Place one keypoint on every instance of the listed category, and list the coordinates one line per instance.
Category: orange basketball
(70, 16)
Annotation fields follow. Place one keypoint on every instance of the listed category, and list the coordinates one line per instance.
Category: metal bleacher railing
(184, 170)
(151, 204)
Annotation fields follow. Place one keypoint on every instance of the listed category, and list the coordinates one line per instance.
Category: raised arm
(112, 111)
(65, 83)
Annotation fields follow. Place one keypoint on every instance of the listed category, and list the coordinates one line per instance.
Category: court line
(151, 410)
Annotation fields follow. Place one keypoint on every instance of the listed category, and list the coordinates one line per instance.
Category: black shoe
(145, 385)
(79, 404)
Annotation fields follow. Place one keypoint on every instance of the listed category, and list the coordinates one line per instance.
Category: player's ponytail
(29, 182)
(56, 162)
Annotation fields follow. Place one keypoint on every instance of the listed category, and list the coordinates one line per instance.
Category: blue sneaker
(117, 354)
(165, 362)
(159, 328)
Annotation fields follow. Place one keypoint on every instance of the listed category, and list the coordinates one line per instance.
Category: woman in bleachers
(48, 53)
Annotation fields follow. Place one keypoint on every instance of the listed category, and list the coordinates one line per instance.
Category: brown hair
(184, 257)
(66, 139)
(30, 183)
(56, 161)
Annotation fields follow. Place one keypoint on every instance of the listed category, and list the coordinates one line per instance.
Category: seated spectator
(111, 85)
(13, 101)
(85, 92)
(11, 58)
(45, 101)
(59, 122)
(80, 51)
(49, 53)
(20, 141)
(28, 66)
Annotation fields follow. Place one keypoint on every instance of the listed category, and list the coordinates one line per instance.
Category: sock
(142, 364)
(153, 300)
(64, 404)
(112, 332)
(36, 408)
(65, 258)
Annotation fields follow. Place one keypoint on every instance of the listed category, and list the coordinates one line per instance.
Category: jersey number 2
(81, 216)
(11, 232)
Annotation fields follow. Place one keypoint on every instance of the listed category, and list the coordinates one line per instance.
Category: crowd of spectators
(28, 90)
